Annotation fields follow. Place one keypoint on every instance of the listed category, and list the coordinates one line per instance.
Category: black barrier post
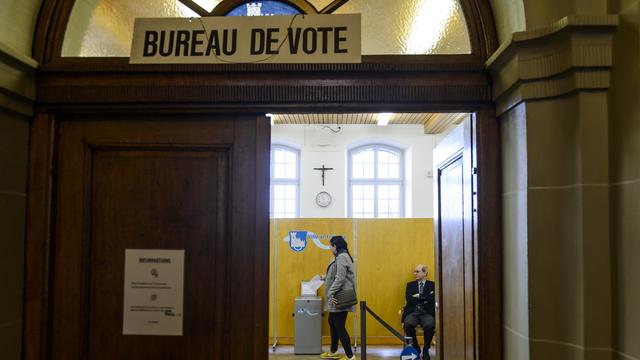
(363, 330)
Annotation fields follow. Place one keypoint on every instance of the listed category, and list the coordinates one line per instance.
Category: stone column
(550, 88)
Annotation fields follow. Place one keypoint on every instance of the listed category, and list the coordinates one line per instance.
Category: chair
(419, 330)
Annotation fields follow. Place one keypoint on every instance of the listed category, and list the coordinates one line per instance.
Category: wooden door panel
(454, 246)
(129, 208)
(452, 297)
(161, 184)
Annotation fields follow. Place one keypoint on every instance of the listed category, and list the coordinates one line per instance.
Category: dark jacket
(427, 301)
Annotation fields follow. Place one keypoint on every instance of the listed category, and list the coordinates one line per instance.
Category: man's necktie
(420, 287)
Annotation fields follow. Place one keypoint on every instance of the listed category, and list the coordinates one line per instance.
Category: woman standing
(340, 276)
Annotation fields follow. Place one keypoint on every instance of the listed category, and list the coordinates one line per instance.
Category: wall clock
(323, 199)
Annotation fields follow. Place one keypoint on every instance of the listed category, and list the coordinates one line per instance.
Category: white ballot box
(308, 318)
(308, 325)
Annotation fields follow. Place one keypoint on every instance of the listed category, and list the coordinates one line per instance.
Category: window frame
(273, 181)
(375, 181)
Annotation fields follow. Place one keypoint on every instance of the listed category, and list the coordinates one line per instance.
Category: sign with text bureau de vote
(247, 39)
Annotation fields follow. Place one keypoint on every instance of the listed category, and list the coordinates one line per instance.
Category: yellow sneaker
(329, 355)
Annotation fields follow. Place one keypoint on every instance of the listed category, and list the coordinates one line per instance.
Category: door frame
(98, 86)
(102, 96)
(477, 143)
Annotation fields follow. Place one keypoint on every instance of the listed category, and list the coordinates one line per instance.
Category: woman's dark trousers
(337, 321)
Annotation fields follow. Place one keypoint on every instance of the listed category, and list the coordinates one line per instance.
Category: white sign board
(247, 39)
(153, 292)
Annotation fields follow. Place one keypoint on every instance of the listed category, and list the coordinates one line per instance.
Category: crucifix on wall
(323, 169)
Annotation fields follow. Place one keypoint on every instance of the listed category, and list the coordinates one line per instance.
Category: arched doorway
(94, 110)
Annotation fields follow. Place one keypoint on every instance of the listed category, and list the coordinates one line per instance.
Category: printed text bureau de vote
(309, 40)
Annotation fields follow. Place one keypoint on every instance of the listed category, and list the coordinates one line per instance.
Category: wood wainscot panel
(159, 183)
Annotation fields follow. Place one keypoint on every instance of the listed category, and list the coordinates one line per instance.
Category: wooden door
(196, 183)
(453, 225)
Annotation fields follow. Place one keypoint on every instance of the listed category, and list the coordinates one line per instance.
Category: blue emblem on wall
(263, 8)
(297, 240)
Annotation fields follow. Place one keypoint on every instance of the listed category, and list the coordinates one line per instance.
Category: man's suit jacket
(427, 300)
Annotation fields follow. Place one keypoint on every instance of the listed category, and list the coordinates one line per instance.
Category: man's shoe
(329, 355)
(418, 350)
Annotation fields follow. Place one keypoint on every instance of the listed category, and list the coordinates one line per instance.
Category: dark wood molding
(471, 242)
(38, 256)
(489, 32)
(50, 29)
(261, 262)
(443, 62)
(488, 234)
(481, 27)
(86, 259)
(455, 85)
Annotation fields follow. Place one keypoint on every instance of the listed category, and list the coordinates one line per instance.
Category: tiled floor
(285, 352)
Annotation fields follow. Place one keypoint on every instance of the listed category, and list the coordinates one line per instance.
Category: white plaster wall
(320, 146)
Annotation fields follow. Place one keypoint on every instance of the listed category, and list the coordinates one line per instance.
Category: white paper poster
(153, 292)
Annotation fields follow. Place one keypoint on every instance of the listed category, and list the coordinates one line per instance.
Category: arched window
(285, 182)
(99, 28)
(376, 180)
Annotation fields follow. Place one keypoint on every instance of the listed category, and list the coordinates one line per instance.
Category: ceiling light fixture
(383, 118)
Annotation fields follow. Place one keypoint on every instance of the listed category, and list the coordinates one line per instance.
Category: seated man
(420, 309)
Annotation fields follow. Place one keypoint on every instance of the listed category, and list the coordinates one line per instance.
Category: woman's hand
(333, 300)
(323, 277)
